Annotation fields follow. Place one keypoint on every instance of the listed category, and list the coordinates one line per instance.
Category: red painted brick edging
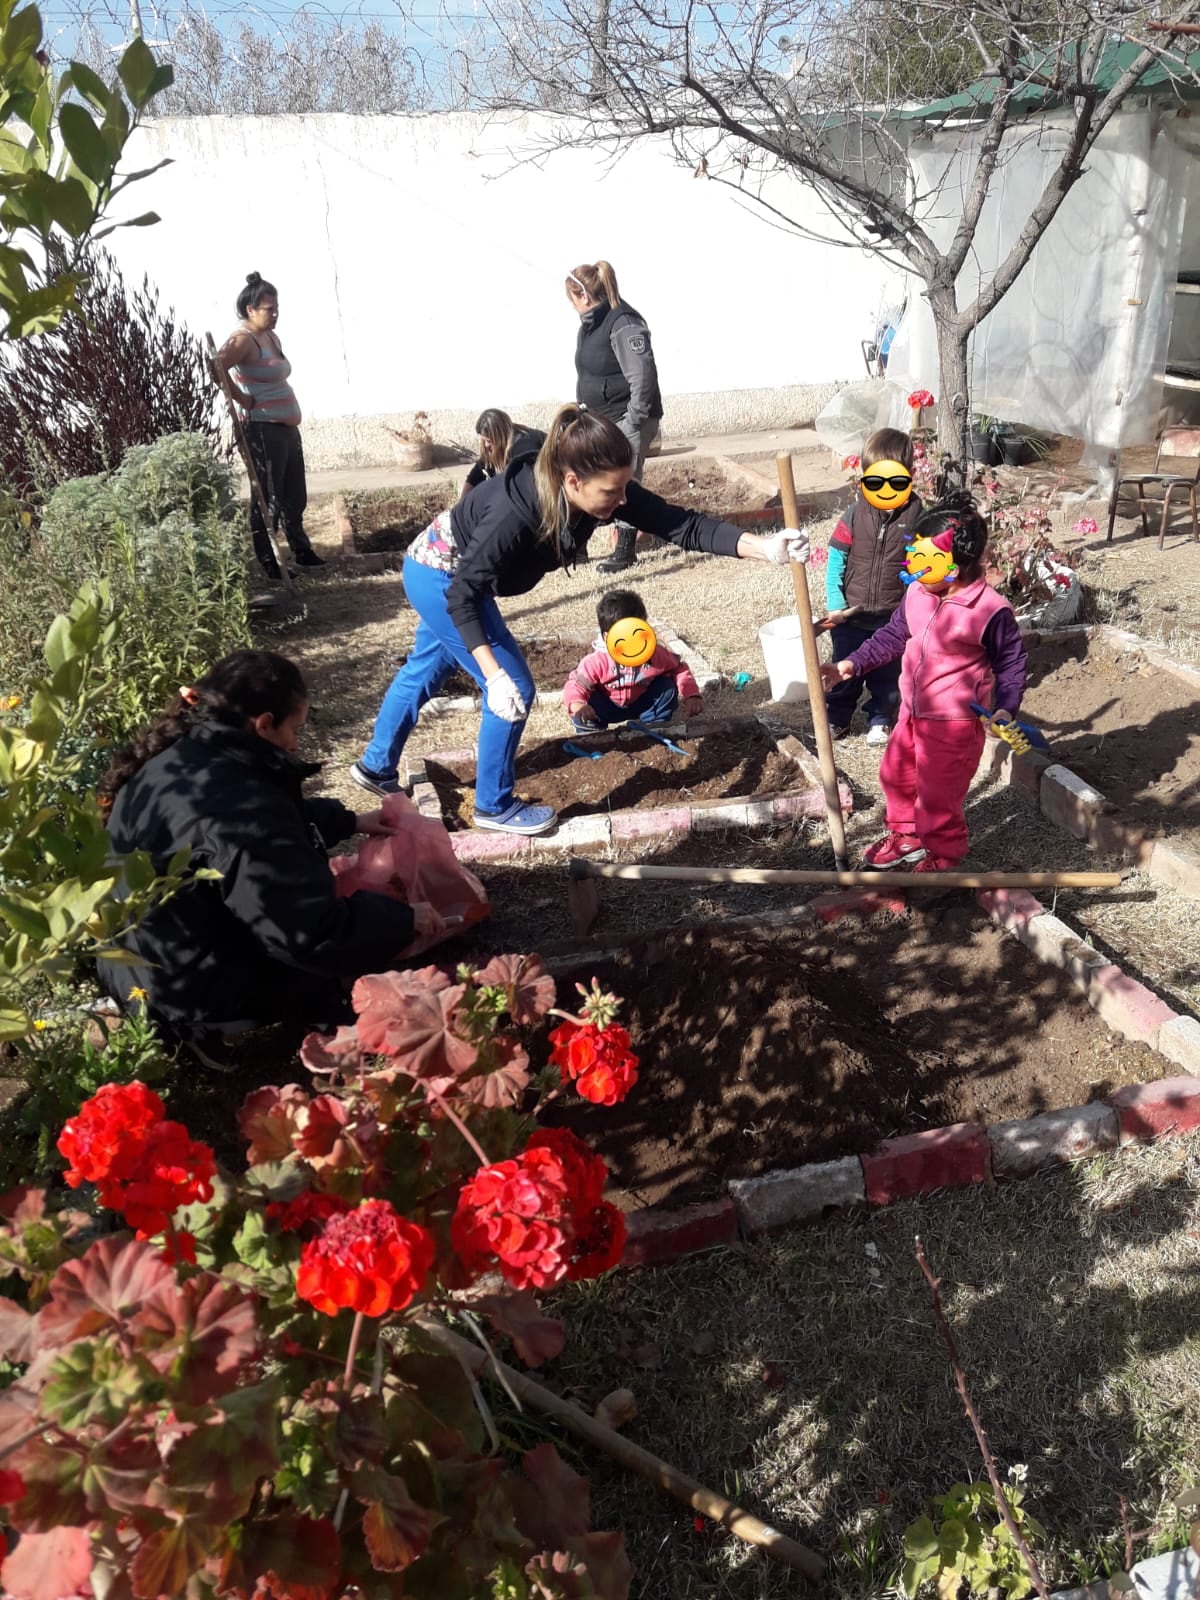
(918, 1163)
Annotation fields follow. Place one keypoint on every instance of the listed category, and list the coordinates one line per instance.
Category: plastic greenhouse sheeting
(1078, 345)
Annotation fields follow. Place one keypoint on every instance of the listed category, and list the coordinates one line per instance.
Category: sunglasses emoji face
(926, 563)
(631, 642)
(887, 485)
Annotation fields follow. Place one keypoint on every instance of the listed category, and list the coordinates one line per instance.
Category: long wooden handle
(243, 445)
(812, 669)
(743, 1524)
(580, 867)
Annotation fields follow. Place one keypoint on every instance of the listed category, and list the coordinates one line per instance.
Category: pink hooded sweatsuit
(958, 646)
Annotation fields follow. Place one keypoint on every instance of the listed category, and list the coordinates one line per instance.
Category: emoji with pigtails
(930, 560)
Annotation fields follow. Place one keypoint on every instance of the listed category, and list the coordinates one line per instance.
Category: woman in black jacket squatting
(269, 940)
(503, 539)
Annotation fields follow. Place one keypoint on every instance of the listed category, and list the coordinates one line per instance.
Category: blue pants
(655, 704)
(437, 649)
(883, 685)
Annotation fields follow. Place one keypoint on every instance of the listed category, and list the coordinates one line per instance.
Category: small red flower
(370, 1260)
(105, 1138)
(12, 1487)
(920, 398)
(851, 463)
(293, 1215)
(180, 1246)
(599, 1060)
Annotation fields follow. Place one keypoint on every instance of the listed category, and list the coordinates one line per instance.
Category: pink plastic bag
(416, 863)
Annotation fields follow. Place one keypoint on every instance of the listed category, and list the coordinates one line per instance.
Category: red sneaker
(893, 850)
(935, 864)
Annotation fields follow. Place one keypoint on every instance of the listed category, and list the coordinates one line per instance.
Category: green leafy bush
(966, 1541)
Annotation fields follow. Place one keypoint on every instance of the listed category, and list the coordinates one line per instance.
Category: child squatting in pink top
(602, 691)
(960, 642)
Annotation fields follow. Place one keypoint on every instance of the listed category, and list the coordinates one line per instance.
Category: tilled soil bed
(772, 1049)
(1126, 727)
(394, 521)
(638, 775)
(550, 660)
(701, 486)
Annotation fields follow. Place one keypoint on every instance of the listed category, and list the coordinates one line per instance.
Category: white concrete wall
(420, 263)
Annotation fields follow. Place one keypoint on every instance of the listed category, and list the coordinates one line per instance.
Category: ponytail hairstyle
(578, 441)
(954, 524)
(600, 282)
(239, 688)
(257, 289)
(497, 428)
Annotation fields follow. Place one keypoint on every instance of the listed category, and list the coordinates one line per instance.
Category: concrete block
(917, 1163)
(1068, 801)
(672, 821)
(1126, 1005)
(471, 846)
(803, 1194)
(1156, 1110)
(573, 834)
(1179, 1041)
(659, 1234)
(731, 814)
(1026, 1146)
(809, 803)
(1176, 865)
(1052, 941)
(463, 757)
(1011, 908)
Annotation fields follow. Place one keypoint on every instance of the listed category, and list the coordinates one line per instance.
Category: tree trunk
(954, 394)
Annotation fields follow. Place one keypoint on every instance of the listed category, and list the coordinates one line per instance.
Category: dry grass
(826, 1404)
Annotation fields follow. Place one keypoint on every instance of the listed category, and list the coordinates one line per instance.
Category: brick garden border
(603, 829)
(961, 1153)
(1071, 802)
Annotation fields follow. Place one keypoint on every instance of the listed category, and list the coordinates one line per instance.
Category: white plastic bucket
(783, 652)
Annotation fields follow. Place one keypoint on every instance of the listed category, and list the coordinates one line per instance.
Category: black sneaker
(376, 782)
(839, 733)
(309, 558)
(271, 571)
(616, 564)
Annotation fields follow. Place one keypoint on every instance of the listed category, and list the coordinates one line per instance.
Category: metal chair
(1174, 444)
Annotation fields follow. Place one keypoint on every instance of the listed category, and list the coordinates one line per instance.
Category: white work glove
(789, 544)
(504, 698)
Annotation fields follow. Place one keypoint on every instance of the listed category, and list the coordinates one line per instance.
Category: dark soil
(774, 1049)
(1129, 729)
(701, 486)
(550, 660)
(639, 775)
(393, 523)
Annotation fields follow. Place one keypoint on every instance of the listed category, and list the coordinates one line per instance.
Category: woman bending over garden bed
(258, 935)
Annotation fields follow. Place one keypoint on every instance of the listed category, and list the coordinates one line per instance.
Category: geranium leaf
(18, 1331)
(111, 1281)
(208, 1323)
(334, 1136)
(552, 1502)
(120, 1474)
(395, 1527)
(47, 1566)
(608, 1565)
(503, 1078)
(53, 1479)
(341, 1054)
(535, 1336)
(409, 1017)
(268, 1119)
(287, 1558)
(529, 986)
(168, 1558)
(225, 1455)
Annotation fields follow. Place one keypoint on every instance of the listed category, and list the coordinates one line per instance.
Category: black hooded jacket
(502, 550)
(269, 939)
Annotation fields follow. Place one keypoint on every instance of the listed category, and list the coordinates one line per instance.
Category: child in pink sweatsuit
(600, 691)
(960, 642)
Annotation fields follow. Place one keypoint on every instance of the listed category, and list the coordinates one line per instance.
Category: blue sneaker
(518, 818)
(376, 782)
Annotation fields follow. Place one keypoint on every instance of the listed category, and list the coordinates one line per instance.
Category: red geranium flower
(920, 398)
(540, 1217)
(599, 1060)
(370, 1260)
(12, 1487)
(105, 1138)
(292, 1215)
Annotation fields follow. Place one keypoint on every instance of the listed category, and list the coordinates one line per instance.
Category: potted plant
(985, 448)
(413, 446)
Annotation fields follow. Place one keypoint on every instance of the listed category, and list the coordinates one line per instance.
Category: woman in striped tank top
(259, 371)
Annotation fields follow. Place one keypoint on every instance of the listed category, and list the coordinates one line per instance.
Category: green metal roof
(1174, 78)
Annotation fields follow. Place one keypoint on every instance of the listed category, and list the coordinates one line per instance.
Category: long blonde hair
(497, 428)
(599, 280)
(578, 441)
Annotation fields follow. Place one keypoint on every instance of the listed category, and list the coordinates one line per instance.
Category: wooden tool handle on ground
(741, 1523)
(243, 445)
(580, 867)
(812, 670)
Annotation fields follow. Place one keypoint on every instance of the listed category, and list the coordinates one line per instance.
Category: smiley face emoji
(925, 562)
(631, 642)
(887, 485)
